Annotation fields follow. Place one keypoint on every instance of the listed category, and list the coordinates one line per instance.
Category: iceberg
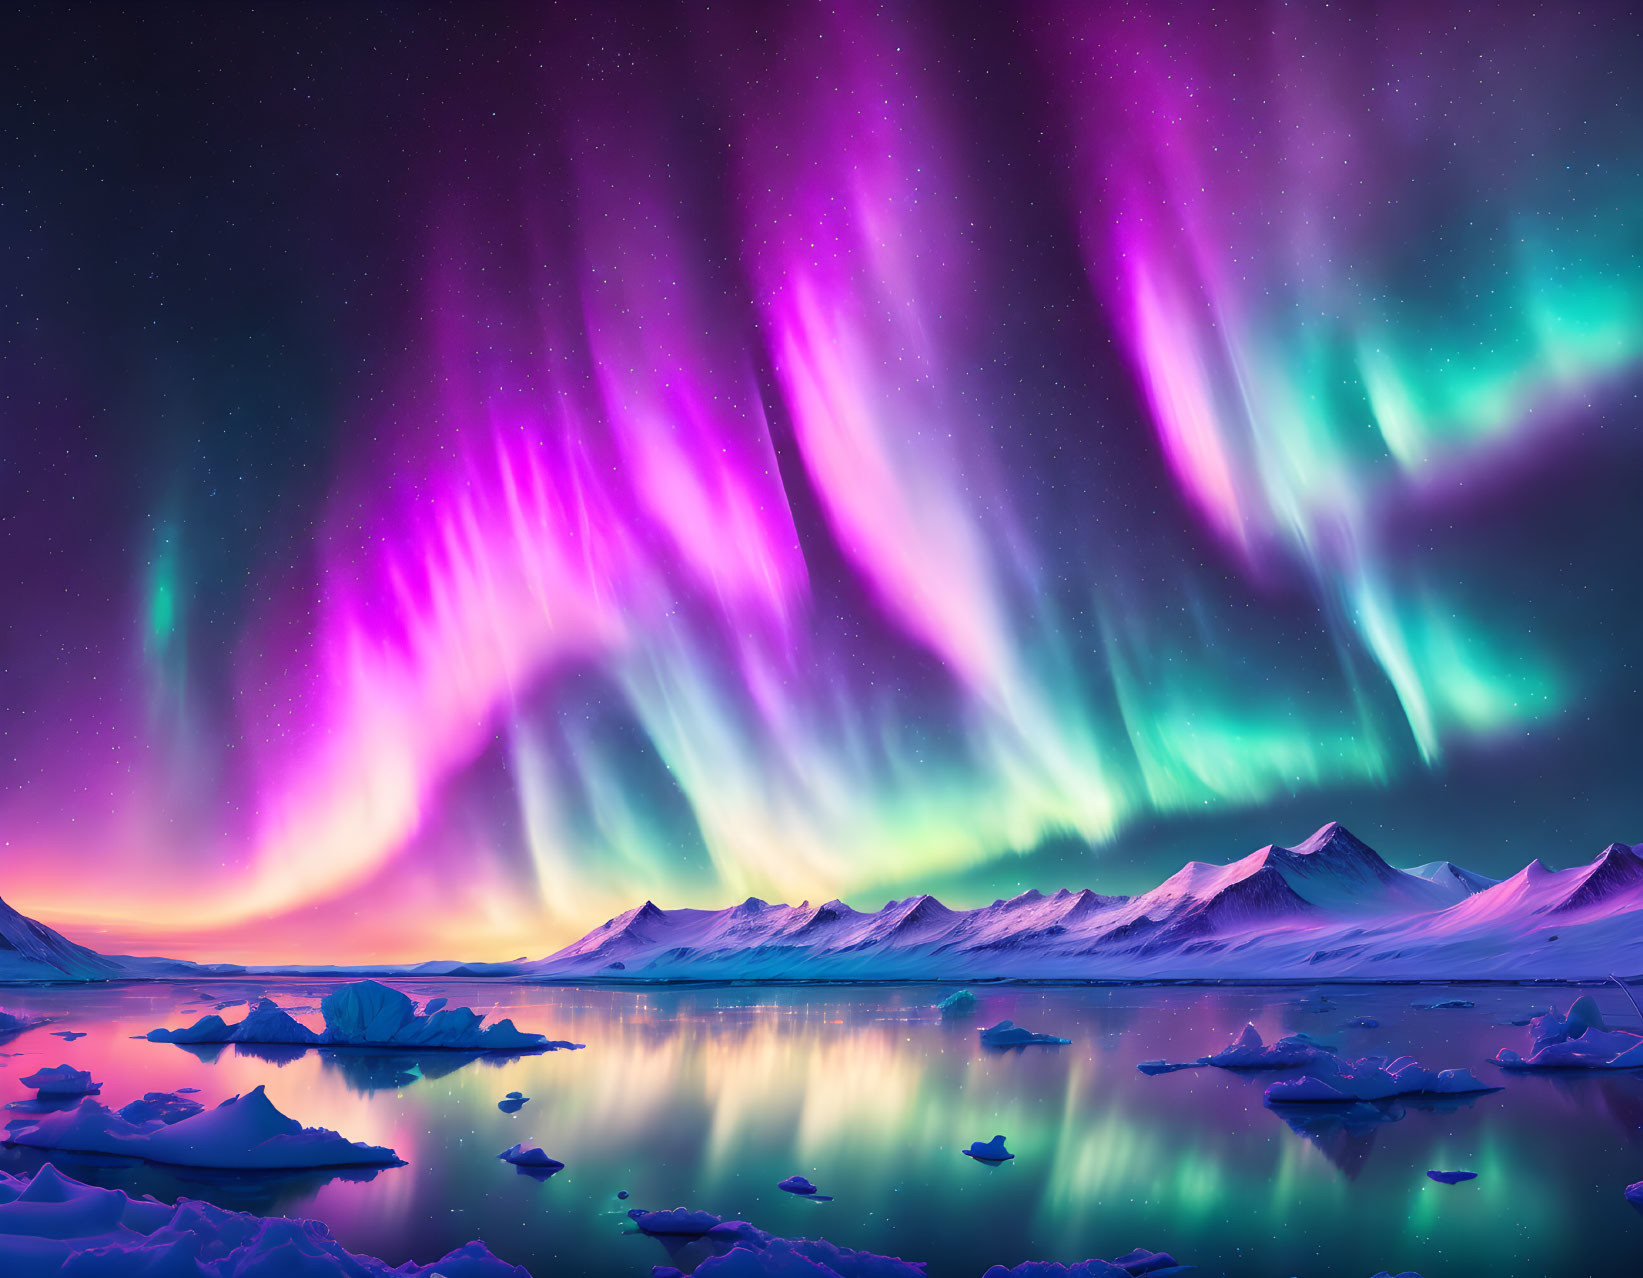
(1451, 1177)
(803, 1188)
(1634, 1195)
(512, 1103)
(367, 1014)
(163, 1107)
(708, 1247)
(736, 1249)
(1332, 1080)
(1154, 1264)
(1249, 1051)
(244, 1133)
(677, 1222)
(1169, 1067)
(530, 1158)
(1009, 1034)
(12, 1024)
(54, 1224)
(958, 1003)
(990, 1151)
(61, 1080)
(1576, 1040)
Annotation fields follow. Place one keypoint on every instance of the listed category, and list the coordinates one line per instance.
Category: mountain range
(1329, 907)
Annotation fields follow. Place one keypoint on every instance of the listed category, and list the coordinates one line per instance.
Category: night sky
(465, 470)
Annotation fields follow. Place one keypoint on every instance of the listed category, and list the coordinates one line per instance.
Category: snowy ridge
(1329, 906)
(31, 951)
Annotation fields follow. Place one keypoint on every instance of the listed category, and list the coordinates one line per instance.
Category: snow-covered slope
(31, 951)
(1329, 906)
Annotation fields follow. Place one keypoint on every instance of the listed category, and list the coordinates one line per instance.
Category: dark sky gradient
(466, 469)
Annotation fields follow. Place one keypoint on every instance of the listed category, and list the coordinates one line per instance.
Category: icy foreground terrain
(1328, 907)
(243, 1133)
(51, 1224)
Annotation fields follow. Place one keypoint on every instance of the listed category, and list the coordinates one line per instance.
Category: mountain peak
(1331, 839)
(1615, 870)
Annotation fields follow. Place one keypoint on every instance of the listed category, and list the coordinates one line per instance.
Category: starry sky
(467, 469)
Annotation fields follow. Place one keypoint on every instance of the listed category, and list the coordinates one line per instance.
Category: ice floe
(803, 1188)
(61, 1081)
(366, 1014)
(1576, 1040)
(1250, 1051)
(244, 1133)
(1451, 1177)
(675, 1221)
(708, 1247)
(163, 1107)
(1135, 1264)
(530, 1158)
(52, 1224)
(1009, 1034)
(1331, 1079)
(988, 1151)
(958, 1003)
(12, 1024)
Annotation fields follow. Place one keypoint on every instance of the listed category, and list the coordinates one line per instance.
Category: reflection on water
(708, 1097)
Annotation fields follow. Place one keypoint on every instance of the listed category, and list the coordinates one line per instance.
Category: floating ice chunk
(1153, 1264)
(433, 1005)
(12, 1024)
(68, 1036)
(1331, 1080)
(1451, 1177)
(54, 1224)
(264, 1023)
(530, 1158)
(1577, 1040)
(1445, 1005)
(1634, 1195)
(677, 1222)
(244, 1133)
(1169, 1067)
(366, 1014)
(61, 1080)
(512, 1103)
(804, 1189)
(737, 1249)
(958, 1003)
(1009, 1034)
(1142, 1261)
(1407, 1273)
(160, 1107)
(991, 1151)
(1248, 1051)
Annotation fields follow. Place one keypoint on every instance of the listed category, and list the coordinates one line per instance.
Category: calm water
(707, 1097)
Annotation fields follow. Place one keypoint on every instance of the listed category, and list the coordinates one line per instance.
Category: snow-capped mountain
(1327, 907)
(31, 951)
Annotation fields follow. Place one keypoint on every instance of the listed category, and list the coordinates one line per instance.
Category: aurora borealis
(465, 471)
